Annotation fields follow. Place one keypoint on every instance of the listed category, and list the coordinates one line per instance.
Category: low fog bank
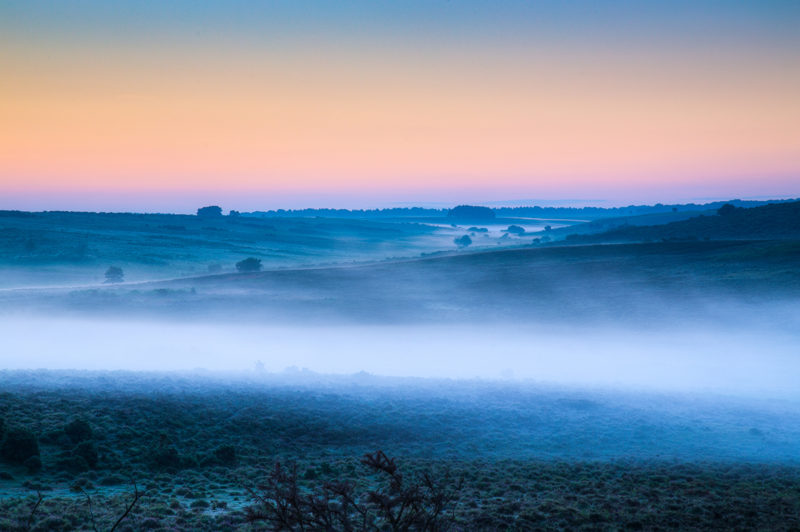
(725, 284)
(752, 361)
(424, 418)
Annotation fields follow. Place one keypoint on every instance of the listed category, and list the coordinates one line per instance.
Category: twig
(33, 512)
(136, 496)
(91, 512)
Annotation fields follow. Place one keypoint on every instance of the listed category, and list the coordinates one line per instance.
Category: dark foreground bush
(396, 504)
(225, 455)
(19, 445)
(78, 430)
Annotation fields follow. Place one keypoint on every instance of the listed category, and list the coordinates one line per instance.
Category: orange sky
(350, 118)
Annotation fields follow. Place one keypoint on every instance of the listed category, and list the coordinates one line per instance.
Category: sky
(166, 106)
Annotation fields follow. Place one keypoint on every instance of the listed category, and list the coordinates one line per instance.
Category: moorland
(259, 447)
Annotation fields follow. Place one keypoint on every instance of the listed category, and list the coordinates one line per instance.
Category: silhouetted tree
(250, 264)
(114, 274)
(471, 212)
(212, 211)
(727, 210)
(515, 229)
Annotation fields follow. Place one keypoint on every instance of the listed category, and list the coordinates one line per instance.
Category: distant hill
(774, 221)
(584, 213)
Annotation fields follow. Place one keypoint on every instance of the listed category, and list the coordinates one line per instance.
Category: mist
(757, 362)
(535, 368)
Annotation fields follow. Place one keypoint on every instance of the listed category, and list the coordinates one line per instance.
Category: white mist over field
(742, 361)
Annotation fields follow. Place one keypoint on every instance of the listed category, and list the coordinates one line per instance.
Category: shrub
(78, 430)
(398, 504)
(165, 457)
(225, 454)
(19, 445)
(88, 452)
(463, 241)
(114, 274)
(250, 264)
(33, 463)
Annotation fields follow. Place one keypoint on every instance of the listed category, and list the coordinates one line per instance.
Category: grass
(530, 457)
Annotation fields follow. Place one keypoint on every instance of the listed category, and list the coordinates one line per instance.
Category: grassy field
(627, 282)
(59, 248)
(513, 456)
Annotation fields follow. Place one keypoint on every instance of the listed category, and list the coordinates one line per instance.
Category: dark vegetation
(585, 213)
(471, 212)
(114, 274)
(462, 241)
(201, 453)
(777, 221)
(250, 264)
(212, 211)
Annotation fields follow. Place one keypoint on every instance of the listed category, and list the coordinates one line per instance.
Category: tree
(471, 212)
(250, 264)
(114, 274)
(727, 210)
(212, 211)
(515, 229)
(462, 241)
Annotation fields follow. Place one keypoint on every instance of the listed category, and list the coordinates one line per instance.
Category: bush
(33, 463)
(212, 211)
(463, 241)
(250, 264)
(78, 430)
(398, 503)
(114, 274)
(19, 445)
(225, 454)
(88, 452)
(166, 457)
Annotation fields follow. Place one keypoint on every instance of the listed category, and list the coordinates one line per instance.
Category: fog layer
(755, 361)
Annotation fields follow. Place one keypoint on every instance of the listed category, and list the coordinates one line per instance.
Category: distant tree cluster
(773, 221)
(396, 212)
(471, 212)
(212, 211)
